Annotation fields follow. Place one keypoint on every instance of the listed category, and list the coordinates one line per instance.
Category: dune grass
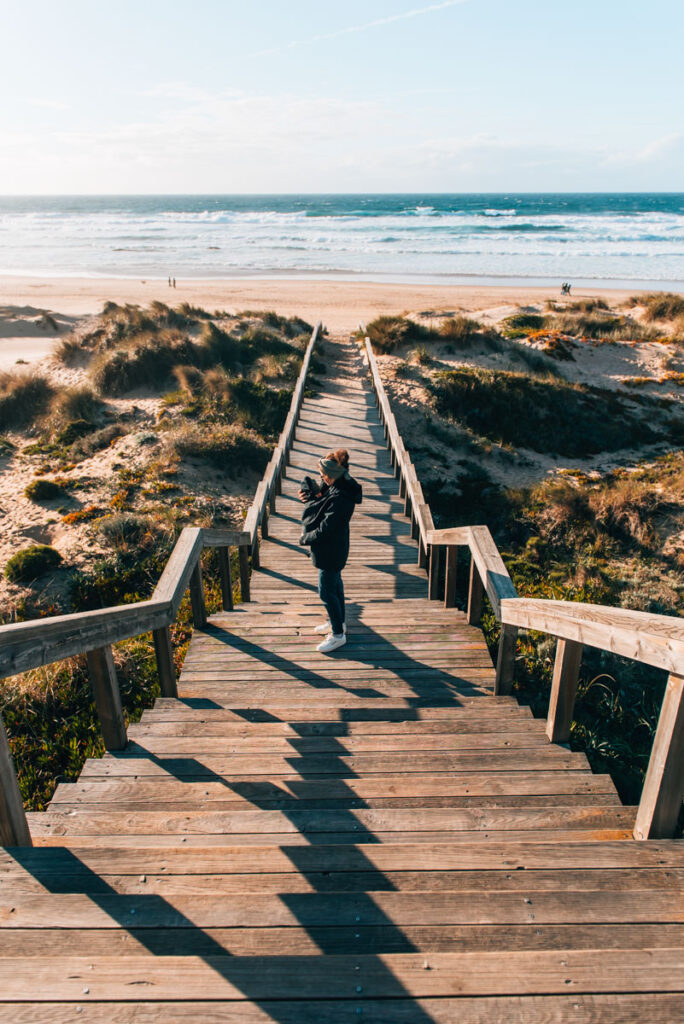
(659, 305)
(548, 416)
(24, 398)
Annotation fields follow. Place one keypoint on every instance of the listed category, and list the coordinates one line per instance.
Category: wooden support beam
(436, 559)
(14, 830)
(264, 524)
(244, 572)
(422, 554)
(199, 608)
(451, 576)
(254, 549)
(563, 689)
(505, 661)
(164, 655)
(661, 799)
(475, 591)
(105, 687)
(226, 581)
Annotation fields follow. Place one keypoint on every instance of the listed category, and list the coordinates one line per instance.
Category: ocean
(608, 240)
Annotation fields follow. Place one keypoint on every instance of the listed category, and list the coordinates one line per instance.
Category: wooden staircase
(367, 836)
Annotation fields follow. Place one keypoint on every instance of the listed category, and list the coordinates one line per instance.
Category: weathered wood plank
(246, 978)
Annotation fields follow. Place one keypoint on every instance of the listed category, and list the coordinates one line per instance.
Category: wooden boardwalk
(366, 836)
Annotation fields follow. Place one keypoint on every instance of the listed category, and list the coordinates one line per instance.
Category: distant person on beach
(329, 506)
(169, 282)
(174, 281)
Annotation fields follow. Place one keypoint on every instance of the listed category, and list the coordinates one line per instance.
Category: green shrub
(520, 324)
(230, 448)
(387, 333)
(29, 564)
(422, 356)
(6, 447)
(125, 530)
(550, 416)
(86, 446)
(43, 490)
(73, 430)
(24, 398)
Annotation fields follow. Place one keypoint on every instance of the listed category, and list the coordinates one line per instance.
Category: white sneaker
(331, 643)
(326, 628)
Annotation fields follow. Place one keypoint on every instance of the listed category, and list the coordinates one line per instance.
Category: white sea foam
(347, 235)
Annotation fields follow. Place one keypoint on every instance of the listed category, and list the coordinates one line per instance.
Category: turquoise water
(604, 239)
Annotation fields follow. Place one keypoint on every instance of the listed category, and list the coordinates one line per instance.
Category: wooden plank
(317, 764)
(111, 821)
(498, 854)
(246, 978)
(315, 910)
(615, 1008)
(661, 800)
(334, 745)
(296, 839)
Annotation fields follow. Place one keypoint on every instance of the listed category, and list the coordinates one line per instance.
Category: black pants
(331, 593)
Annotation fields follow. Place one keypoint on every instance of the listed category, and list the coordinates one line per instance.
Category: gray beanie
(332, 468)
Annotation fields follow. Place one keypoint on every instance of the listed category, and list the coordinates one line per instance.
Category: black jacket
(325, 524)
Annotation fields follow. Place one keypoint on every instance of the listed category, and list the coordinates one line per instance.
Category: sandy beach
(340, 305)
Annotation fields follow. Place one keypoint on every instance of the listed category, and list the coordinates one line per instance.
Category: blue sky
(379, 95)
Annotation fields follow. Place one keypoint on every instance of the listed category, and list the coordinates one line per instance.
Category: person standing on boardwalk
(325, 529)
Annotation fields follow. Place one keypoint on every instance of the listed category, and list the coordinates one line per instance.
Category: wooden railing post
(264, 525)
(422, 553)
(14, 830)
(436, 557)
(254, 551)
(475, 590)
(563, 689)
(661, 799)
(105, 687)
(505, 661)
(226, 581)
(244, 572)
(165, 666)
(451, 576)
(199, 608)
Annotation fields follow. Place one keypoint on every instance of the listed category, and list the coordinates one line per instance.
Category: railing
(656, 640)
(29, 645)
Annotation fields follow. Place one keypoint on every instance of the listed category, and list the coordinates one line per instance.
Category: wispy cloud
(351, 29)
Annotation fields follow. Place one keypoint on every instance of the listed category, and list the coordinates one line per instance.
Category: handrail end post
(14, 830)
(661, 798)
(105, 688)
(505, 662)
(563, 690)
(166, 671)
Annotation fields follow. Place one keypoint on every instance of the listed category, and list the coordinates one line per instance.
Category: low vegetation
(31, 563)
(550, 416)
(660, 305)
(160, 459)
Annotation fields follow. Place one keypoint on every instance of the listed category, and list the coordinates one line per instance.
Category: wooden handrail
(403, 467)
(656, 640)
(29, 645)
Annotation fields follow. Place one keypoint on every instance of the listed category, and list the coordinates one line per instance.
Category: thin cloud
(415, 13)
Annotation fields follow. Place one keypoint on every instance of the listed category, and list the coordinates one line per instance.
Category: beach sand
(341, 305)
